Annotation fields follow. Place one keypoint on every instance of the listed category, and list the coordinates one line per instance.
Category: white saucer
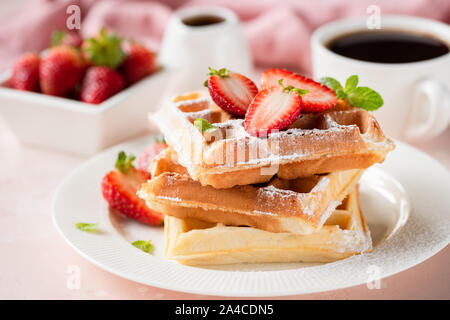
(405, 200)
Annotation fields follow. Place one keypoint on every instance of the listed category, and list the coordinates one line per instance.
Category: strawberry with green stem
(119, 188)
(231, 91)
(105, 49)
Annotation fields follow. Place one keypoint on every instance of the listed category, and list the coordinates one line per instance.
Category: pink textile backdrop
(278, 31)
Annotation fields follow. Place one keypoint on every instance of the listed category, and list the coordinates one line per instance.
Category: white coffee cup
(190, 50)
(416, 95)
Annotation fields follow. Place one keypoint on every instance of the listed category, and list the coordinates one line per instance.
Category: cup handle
(430, 114)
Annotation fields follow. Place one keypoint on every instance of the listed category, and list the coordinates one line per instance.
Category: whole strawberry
(71, 38)
(60, 71)
(139, 63)
(100, 83)
(119, 188)
(25, 73)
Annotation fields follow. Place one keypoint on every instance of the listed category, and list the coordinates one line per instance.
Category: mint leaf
(87, 227)
(359, 97)
(365, 98)
(203, 126)
(331, 83)
(124, 163)
(145, 246)
(351, 83)
(340, 94)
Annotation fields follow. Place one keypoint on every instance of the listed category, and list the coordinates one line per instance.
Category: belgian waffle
(342, 138)
(299, 206)
(195, 242)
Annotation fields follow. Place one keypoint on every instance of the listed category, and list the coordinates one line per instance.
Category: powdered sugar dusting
(264, 213)
(333, 205)
(321, 185)
(175, 199)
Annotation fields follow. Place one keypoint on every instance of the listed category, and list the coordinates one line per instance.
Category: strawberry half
(119, 188)
(319, 97)
(272, 109)
(146, 156)
(231, 91)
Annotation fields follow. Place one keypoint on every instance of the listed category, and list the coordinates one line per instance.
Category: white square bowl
(78, 127)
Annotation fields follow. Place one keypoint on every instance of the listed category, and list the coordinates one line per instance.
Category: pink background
(35, 260)
(29, 26)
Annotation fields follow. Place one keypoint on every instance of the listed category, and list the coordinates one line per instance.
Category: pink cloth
(278, 31)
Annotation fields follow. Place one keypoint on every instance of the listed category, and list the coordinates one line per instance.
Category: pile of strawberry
(91, 70)
(282, 96)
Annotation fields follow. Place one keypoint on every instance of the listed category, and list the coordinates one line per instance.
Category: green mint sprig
(87, 227)
(301, 92)
(145, 246)
(124, 163)
(204, 126)
(359, 97)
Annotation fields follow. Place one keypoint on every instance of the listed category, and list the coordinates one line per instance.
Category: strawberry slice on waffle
(231, 91)
(319, 97)
(274, 108)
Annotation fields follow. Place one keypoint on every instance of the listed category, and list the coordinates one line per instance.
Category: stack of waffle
(230, 197)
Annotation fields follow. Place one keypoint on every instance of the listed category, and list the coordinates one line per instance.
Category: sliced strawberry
(273, 109)
(231, 91)
(148, 154)
(319, 97)
(119, 188)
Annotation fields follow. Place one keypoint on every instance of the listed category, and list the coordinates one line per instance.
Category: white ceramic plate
(405, 200)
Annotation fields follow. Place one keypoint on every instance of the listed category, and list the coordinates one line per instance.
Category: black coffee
(202, 20)
(388, 46)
